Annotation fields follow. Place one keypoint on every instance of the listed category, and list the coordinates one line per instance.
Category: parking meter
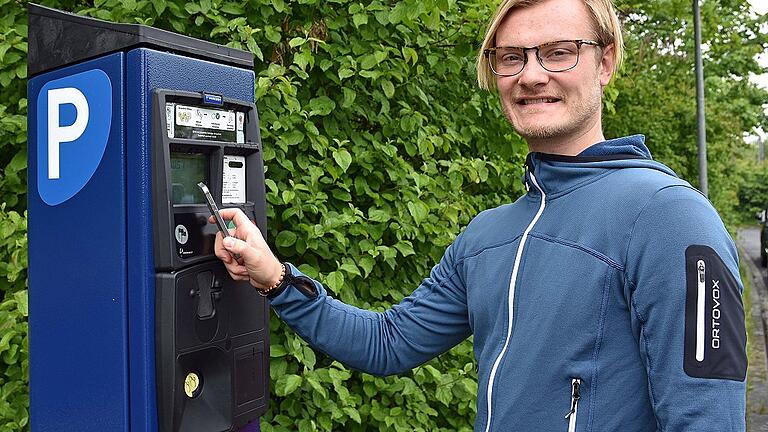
(135, 325)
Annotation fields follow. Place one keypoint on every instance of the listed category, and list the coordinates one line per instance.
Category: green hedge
(379, 148)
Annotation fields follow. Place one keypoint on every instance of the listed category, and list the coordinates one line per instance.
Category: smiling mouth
(537, 101)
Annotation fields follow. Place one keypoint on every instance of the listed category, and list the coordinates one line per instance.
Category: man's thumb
(237, 246)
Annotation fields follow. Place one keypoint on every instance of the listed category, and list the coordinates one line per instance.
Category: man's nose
(533, 73)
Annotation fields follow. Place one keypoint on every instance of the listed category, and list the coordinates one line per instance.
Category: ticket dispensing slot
(211, 332)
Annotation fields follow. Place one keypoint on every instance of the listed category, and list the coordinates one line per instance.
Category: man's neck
(570, 145)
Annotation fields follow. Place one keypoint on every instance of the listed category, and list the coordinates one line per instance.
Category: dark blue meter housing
(134, 324)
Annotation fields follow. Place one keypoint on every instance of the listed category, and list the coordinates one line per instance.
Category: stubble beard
(580, 114)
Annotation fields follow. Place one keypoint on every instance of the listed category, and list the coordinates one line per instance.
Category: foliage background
(380, 148)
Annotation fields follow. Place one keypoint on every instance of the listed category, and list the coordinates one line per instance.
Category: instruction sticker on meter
(193, 122)
(240, 127)
(233, 184)
(169, 121)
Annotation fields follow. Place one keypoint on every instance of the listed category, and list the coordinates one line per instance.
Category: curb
(757, 373)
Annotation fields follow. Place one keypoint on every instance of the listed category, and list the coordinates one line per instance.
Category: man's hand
(257, 263)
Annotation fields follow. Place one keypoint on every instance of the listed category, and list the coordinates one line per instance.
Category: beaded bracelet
(276, 284)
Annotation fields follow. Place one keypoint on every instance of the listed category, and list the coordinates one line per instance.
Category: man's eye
(558, 53)
(510, 58)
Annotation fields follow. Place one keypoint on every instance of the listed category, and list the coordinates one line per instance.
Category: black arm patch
(715, 334)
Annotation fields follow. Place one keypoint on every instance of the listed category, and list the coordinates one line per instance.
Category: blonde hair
(607, 30)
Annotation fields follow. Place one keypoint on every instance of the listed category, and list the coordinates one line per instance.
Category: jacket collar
(558, 174)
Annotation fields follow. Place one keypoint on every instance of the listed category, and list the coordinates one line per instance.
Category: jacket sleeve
(684, 291)
(428, 322)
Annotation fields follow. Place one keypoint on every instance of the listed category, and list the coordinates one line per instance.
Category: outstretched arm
(428, 322)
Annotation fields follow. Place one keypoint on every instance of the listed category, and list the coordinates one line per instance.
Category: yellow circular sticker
(192, 384)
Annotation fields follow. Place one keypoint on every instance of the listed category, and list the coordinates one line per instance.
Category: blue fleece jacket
(610, 292)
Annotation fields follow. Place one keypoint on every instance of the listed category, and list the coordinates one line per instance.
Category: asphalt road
(748, 240)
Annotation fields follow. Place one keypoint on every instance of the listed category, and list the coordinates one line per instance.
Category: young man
(607, 298)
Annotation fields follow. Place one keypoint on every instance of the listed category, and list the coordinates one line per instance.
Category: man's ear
(607, 64)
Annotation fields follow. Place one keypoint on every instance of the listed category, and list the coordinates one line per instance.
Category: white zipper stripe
(700, 303)
(572, 421)
(512, 283)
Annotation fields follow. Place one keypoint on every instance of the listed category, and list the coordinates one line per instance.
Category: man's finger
(236, 215)
(243, 249)
(220, 251)
(236, 276)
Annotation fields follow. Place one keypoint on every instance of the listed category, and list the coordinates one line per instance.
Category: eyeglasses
(557, 56)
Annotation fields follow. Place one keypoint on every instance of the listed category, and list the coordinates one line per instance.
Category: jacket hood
(558, 174)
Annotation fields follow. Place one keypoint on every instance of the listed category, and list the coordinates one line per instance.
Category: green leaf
(418, 210)
(436, 374)
(410, 54)
(335, 281)
(307, 425)
(277, 351)
(349, 97)
(22, 302)
(287, 384)
(296, 42)
(18, 163)
(192, 8)
(285, 238)
(159, 6)
(360, 19)
(388, 87)
(316, 385)
(368, 62)
(322, 105)
(378, 215)
(279, 5)
(380, 56)
(353, 414)
(271, 185)
(350, 268)
(3, 49)
(398, 13)
(444, 395)
(309, 357)
(308, 270)
(405, 247)
(232, 9)
(294, 137)
(366, 263)
(272, 33)
(288, 195)
(254, 48)
(343, 159)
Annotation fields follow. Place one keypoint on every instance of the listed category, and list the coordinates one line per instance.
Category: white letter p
(61, 134)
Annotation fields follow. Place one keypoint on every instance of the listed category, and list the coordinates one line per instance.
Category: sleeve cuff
(293, 277)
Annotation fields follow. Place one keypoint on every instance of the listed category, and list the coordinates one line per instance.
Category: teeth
(537, 101)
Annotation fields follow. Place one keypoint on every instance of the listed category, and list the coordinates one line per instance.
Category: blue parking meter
(134, 324)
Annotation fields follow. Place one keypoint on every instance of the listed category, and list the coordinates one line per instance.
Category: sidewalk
(748, 240)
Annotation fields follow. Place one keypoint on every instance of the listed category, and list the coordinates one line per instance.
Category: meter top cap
(64, 38)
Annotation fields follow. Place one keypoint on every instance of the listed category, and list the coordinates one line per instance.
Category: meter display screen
(187, 170)
(200, 123)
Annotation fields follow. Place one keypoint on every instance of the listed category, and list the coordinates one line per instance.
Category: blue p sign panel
(74, 116)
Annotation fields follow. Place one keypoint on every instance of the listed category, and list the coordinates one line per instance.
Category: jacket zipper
(511, 300)
(575, 397)
(700, 303)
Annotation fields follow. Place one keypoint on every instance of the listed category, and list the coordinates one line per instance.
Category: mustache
(539, 95)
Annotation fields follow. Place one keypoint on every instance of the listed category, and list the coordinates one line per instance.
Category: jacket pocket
(574, 409)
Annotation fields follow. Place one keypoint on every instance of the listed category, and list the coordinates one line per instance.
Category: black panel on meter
(212, 333)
